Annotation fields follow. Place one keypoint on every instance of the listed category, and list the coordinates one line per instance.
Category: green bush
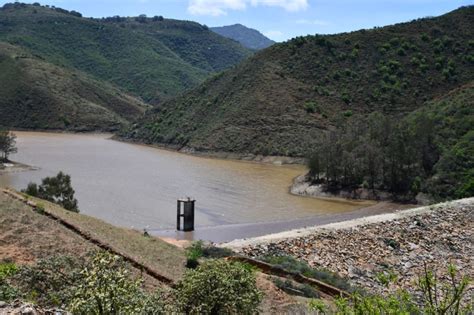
(50, 281)
(218, 287)
(347, 113)
(293, 265)
(289, 287)
(105, 287)
(437, 298)
(311, 107)
(7, 291)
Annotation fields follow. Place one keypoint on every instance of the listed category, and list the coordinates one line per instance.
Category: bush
(193, 253)
(218, 287)
(311, 107)
(293, 265)
(7, 291)
(105, 287)
(437, 298)
(289, 287)
(50, 281)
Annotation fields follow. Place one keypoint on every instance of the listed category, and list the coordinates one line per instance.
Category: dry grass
(42, 237)
(26, 236)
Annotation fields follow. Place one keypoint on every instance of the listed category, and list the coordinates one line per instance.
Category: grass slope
(137, 58)
(26, 236)
(280, 100)
(39, 95)
(248, 37)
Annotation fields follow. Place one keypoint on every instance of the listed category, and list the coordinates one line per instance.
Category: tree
(7, 144)
(218, 287)
(56, 189)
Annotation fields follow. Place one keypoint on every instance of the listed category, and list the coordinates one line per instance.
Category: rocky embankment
(304, 186)
(435, 236)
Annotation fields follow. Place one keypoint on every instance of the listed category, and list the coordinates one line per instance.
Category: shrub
(49, 281)
(311, 107)
(193, 253)
(7, 291)
(345, 98)
(289, 287)
(437, 298)
(218, 287)
(105, 287)
(293, 265)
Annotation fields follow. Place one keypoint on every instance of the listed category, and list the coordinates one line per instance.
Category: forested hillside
(281, 101)
(35, 94)
(248, 37)
(153, 58)
(431, 151)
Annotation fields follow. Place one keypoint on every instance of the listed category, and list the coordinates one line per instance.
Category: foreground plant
(438, 298)
(218, 287)
(107, 288)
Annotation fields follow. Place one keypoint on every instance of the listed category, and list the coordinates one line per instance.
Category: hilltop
(281, 100)
(248, 37)
(147, 57)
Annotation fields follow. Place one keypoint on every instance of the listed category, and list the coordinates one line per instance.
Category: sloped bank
(398, 243)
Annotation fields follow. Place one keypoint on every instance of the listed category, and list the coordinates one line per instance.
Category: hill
(144, 57)
(248, 37)
(280, 101)
(36, 94)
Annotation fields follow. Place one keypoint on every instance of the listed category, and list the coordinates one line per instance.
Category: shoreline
(15, 167)
(246, 157)
(340, 225)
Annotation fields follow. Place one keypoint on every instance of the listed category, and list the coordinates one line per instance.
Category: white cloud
(312, 22)
(220, 7)
(288, 5)
(272, 34)
(215, 7)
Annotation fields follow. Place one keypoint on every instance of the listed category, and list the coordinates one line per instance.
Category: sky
(277, 19)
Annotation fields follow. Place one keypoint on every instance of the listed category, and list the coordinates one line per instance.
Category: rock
(438, 237)
(3, 304)
(28, 310)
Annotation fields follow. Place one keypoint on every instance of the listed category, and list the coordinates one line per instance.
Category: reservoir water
(137, 186)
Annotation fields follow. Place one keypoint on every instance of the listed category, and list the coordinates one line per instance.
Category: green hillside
(35, 94)
(452, 119)
(281, 100)
(143, 58)
(192, 42)
(248, 37)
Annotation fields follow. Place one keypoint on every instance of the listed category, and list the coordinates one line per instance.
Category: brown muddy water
(137, 187)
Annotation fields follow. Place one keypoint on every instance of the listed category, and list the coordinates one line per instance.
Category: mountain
(152, 58)
(281, 100)
(248, 37)
(35, 94)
